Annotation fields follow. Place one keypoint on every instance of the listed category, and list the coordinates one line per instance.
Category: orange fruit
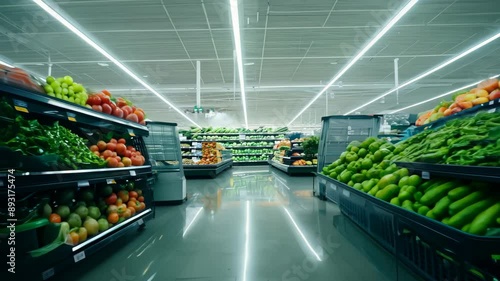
(74, 237)
(113, 218)
(55, 218)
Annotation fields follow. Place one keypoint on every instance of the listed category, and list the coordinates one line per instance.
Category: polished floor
(248, 224)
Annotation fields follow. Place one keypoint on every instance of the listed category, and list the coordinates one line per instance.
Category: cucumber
(435, 194)
(388, 192)
(433, 185)
(484, 220)
(441, 207)
(468, 200)
(459, 192)
(411, 189)
(425, 185)
(405, 195)
(430, 214)
(408, 205)
(396, 201)
(469, 213)
(466, 228)
(498, 220)
(423, 210)
(445, 220)
(374, 190)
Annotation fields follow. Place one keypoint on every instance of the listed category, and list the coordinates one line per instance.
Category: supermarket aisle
(250, 224)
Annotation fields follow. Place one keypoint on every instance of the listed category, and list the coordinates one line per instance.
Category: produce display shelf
(297, 148)
(294, 157)
(390, 135)
(427, 171)
(41, 104)
(293, 170)
(67, 254)
(252, 154)
(430, 248)
(237, 134)
(37, 181)
(190, 147)
(250, 163)
(235, 140)
(251, 147)
(207, 170)
(491, 105)
(191, 155)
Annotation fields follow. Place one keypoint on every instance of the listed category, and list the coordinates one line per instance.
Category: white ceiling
(295, 48)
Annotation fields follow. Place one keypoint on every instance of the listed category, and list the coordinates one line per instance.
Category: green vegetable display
(472, 207)
(34, 139)
(311, 145)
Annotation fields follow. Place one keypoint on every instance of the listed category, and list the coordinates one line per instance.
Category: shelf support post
(198, 84)
(396, 78)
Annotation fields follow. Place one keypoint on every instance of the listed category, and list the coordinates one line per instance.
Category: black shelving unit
(428, 171)
(294, 170)
(34, 105)
(207, 170)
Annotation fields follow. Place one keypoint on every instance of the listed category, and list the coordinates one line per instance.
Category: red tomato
(121, 165)
(96, 153)
(133, 194)
(104, 99)
(110, 200)
(120, 102)
(140, 115)
(127, 109)
(107, 153)
(120, 149)
(101, 145)
(126, 161)
(132, 117)
(113, 141)
(143, 123)
(111, 146)
(106, 92)
(122, 141)
(131, 148)
(106, 108)
(112, 162)
(97, 108)
(136, 160)
(94, 100)
(113, 106)
(118, 112)
(94, 148)
(55, 218)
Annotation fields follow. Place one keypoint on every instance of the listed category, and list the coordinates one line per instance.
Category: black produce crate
(432, 249)
(326, 190)
(332, 192)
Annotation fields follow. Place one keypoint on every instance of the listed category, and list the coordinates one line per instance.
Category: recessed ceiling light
(102, 64)
(249, 63)
(38, 64)
(145, 76)
(334, 62)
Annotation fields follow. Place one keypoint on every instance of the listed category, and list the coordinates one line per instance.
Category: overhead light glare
(102, 64)
(89, 41)
(429, 72)
(442, 95)
(6, 64)
(237, 45)
(249, 63)
(382, 32)
(247, 238)
(302, 235)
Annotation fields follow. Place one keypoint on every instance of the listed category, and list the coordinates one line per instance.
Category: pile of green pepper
(31, 138)
(467, 141)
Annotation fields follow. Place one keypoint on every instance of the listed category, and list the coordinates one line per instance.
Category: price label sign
(332, 186)
(48, 273)
(110, 181)
(346, 193)
(140, 222)
(426, 175)
(20, 106)
(71, 116)
(80, 256)
(242, 137)
(83, 183)
(132, 173)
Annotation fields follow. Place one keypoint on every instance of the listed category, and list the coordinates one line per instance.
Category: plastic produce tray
(430, 248)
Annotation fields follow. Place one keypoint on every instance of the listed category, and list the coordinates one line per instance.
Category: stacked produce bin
(431, 200)
(337, 132)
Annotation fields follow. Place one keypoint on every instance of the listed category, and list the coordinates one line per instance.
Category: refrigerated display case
(169, 182)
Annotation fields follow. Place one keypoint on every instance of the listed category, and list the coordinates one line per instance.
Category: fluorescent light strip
(89, 41)
(429, 72)
(441, 96)
(239, 59)
(247, 238)
(359, 55)
(302, 235)
(6, 64)
(191, 223)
